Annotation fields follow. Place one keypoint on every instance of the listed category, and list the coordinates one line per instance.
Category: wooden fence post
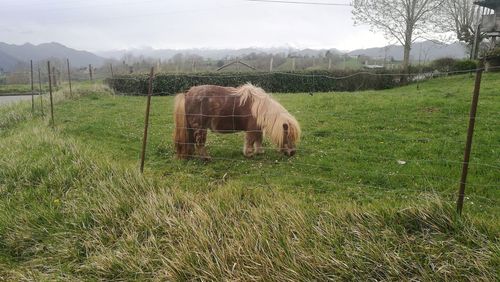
(146, 120)
(468, 144)
(69, 79)
(54, 81)
(32, 89)
(40, 90)
(90, 72)
(50, 93)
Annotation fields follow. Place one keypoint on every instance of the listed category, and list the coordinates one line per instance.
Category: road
(4, 100)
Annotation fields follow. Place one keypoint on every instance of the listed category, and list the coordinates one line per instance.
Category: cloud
(112, 24)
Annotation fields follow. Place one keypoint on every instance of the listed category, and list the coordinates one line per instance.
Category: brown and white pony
(227, 110)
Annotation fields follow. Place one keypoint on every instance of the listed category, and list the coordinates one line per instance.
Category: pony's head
(277, 123)
(291, 135)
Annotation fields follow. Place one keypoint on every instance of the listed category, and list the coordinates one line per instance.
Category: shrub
(465, 65)
(307, 81)
(444, 64)
(493, 59)
(495, 52)
(450, 65)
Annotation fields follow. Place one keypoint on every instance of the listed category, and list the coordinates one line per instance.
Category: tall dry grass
(69, 214)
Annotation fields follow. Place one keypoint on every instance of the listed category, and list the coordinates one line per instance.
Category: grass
(74, 207)
(9, 89)
(350, 149)
(15, 88)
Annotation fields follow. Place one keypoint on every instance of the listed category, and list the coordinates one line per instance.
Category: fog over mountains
(421, 51)
(214, 54)
(426, 50)
(13, 56)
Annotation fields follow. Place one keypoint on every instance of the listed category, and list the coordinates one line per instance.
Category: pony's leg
(190, 146)
(200, 137)
(258, 143)
(249, 143)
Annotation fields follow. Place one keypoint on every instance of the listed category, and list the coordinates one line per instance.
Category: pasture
(15, 88)
(370, 193)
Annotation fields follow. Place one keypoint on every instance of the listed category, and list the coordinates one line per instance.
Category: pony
(227, 110)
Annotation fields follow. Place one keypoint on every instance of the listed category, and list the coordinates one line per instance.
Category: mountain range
(214, 54)
(421, 51)
(14, 56)
(426, 51)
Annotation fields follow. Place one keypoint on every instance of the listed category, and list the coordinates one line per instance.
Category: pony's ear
(285, 126)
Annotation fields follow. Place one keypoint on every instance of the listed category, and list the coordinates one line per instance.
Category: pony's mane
(270, 114)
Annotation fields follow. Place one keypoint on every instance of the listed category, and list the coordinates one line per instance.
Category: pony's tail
(182, 138)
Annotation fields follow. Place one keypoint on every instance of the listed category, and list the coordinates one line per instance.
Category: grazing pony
(227, 110)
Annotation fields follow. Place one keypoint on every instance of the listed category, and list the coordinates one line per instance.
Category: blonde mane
(270, 114)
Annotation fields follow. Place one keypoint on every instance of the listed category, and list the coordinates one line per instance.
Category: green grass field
(20, 88)
(369, 195)
(15, 88)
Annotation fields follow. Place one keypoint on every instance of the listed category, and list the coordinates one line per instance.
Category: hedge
(287, 82)
(453, 65)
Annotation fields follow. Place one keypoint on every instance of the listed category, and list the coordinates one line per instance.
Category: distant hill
(426, 51)
(8, 62)
(214, 54)
(16, 55)
(26, 52)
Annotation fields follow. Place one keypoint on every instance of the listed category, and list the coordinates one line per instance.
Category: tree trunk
(406, 56)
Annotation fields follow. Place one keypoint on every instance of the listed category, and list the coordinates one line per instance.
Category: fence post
(146, 120)
(40, 90)
(54, 81)
(90, 72)
(50, 93)
(69, 79)
(468, 144)
(32, 89)
(111, 68)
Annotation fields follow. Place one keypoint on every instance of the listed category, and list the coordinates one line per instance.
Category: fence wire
(374, 165)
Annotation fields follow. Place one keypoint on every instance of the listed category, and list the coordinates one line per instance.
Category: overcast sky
(112, 24)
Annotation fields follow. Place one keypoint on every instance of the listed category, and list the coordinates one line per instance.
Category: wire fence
(401, 152)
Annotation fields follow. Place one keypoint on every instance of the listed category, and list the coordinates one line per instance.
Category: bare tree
(402, 20)
(463, 18)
